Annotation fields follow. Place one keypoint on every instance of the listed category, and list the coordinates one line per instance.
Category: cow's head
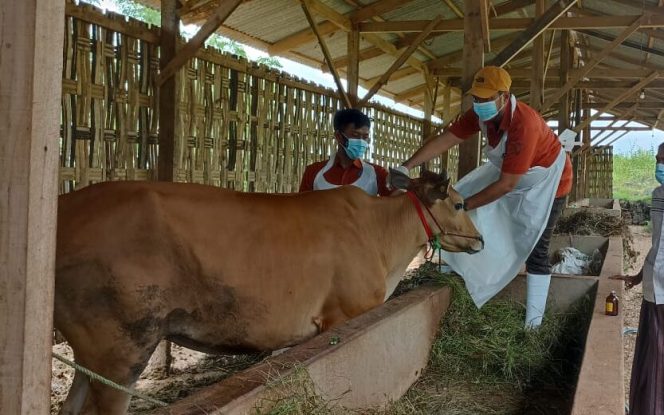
(458, 232)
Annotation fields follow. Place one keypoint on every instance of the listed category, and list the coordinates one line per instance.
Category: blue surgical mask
(485, 110)
(356, 148)
(659, 172)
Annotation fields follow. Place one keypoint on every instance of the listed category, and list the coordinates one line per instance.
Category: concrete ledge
(378, 357)
(600, 389)
(607, 206)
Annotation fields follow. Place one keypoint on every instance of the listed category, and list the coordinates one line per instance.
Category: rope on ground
(108, 382)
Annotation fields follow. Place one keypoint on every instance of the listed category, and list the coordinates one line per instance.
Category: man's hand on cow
(398, 178)
(630, 280)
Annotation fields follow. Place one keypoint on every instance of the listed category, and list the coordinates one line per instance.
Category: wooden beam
(537, 72)
(220, 15)
(484, 19)
(453, 57)
(307, 36)
(538, 26)
(170, 30)
(641, 6)
(364, 54)
(353, 72)
(327, 13)
(626, 43)
(450, 4)
(565, 64)
(616, 139)
(548, 58)
(620, 128)
(377, 8)
(326, 54)
(473, 60)
(617, 100)
(31, 41)
(400, 74)
(400, 61)
(583, 71)
(570, 23)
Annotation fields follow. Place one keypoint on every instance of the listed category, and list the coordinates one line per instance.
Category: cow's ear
(399, 180)
(441, 192)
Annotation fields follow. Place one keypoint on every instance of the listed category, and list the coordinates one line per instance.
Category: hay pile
(586, 222)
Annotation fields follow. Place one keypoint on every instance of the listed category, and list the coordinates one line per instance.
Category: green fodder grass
(482, 362)
(634, 174)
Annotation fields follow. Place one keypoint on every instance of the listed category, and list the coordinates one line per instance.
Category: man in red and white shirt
(346, 167)
(518, 195)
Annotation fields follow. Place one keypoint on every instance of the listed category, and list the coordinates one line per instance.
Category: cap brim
(482, 92)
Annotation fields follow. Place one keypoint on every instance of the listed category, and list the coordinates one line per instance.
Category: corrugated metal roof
(273, 21)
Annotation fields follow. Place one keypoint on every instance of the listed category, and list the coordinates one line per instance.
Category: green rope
(107, 382)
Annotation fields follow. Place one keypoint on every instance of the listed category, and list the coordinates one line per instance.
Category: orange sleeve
(381, 178)
(520, 148)
(307, 183)
(465, 125)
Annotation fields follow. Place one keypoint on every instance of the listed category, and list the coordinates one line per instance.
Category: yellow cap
(489, 80)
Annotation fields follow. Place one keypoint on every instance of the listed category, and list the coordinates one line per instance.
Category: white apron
(511, 225)
(367, 180)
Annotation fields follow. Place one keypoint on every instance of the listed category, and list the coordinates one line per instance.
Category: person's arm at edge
(432, 148)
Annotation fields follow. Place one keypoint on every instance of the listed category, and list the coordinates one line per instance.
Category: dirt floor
(191, 371)
(631, 303)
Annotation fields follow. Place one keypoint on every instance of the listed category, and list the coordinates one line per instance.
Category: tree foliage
(148, 15)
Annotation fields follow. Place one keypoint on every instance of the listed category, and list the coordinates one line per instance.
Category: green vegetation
(148, 15)
(634, 175)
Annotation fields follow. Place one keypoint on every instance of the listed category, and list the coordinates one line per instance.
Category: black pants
(538, 261)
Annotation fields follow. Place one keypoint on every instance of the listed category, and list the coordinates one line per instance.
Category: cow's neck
(403, 235)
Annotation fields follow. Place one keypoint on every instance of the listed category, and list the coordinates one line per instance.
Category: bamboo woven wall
(599, 172)
(238, 125)
(108, 119)
(593, 176)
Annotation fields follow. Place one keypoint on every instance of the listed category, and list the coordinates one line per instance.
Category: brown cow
(222, 271)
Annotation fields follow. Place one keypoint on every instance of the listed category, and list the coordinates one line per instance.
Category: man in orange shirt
(516, 197)
(351, 132)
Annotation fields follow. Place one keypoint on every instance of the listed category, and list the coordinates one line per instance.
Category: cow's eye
(458, 206)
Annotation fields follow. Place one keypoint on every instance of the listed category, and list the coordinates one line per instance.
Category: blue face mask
(355, 148)
(485, 110)
(659, 173)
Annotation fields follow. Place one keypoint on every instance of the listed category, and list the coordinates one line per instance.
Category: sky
(635, 140)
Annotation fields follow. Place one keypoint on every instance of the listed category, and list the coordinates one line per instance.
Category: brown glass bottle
(611, 305)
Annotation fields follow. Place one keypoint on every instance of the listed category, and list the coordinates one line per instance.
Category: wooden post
(447, 118)
(31, 41)
(537, 75)
(429, 98)
(473, 60)
(563, 110)
(353, 70)
(170, 28)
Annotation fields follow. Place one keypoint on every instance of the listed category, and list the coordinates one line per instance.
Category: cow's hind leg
(122, 367)
(77, 395)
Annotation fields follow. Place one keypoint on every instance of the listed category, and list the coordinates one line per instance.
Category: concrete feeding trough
(367, 362)
(594, 205)
(600, 388)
